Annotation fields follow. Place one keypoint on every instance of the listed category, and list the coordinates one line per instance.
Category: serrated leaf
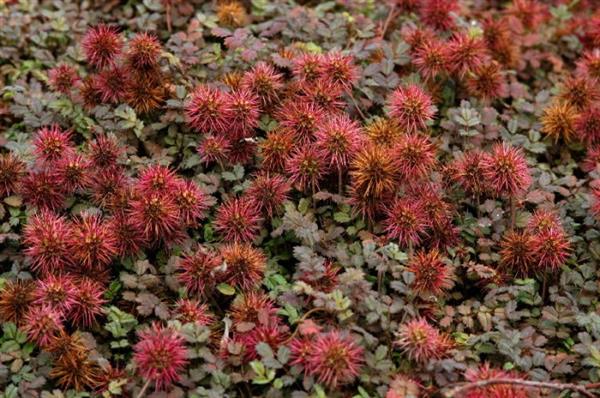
(341, 217)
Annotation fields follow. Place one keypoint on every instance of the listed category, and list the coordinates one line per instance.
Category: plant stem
(143, 390)
(340, 181)
(388, 20)
(513, 213)
(302, 319)
(168, 12)
(355, 103)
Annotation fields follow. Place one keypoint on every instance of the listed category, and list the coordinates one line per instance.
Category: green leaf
(10, 346)
(226, 289)
(341, 217)
(258, 367)
(264, 350)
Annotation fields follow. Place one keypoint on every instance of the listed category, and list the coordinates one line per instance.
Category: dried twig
(302, 319)
(458, 391)
(388, 20)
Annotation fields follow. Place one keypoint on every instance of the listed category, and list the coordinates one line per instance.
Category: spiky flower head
(587, 125)
(104, 151)
(432, 276)
(253, 307)
(88, 92)
(579, 92)
(373, 172)
(73, 172)
(416, 37)
(591, 160)
(64, 344)
(485, 372)
(57, 292)
(403, 386)
(157, 218)
(383, 131)
(51, 143)
(338, 139)
(306, 168)
(529, 12)
(207, 110)
(192, 202)
(111, 189)
(111, 85)
(245, 265)
(411, 107)
(232, 79)
(128, 241)
(487, 82)
(242, 151)
(268, 192)
(192, 311)
(339, 69)
(439, 211)
(406, 222)
(306, 67)
(466, 53)
(146, 92)
(552, 249)
(16, 297)
(517, 252)
(589, 30)
(47, 241)
(238, 219)
(160, 355)
(437, 13)
(143, 51)
(558, 121)
(199, 271)
(414, 156)
(301, 348)
(12, 170)
(272, 334)
(467, 170)
(42, 324)
(74, 369)
(41, 189)
(265, 82)
(323, 93)
(335, 359)
(232, 14)
(101, 45)
(63, 78)
(89, 299)
(500, 42)
(214, 149)
(422, 342)
(431, 59)
(506, 170)
(92, 243)
(275, 149)
(542, 220)
(245, 112)
(589, 64)
(157, 179)
(302, 119)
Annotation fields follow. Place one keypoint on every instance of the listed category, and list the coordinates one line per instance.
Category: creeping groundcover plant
(300, 199)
